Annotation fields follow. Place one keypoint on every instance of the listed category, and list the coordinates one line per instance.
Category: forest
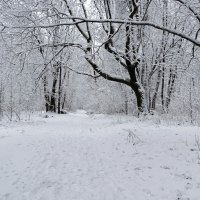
(132, 57)
(99, 99)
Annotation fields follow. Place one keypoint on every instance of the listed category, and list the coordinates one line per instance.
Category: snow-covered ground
(97, 157)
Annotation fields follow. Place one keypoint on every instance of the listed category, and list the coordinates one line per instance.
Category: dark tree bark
(59, 89)
(53, 91)
(171, 86)
(140, 96)
(46, 94)
(163, 89)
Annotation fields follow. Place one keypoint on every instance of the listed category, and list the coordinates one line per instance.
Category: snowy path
(79, 157)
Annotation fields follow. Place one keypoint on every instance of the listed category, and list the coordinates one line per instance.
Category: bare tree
(120, 30)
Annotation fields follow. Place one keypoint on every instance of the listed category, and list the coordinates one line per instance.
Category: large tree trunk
(140, 97)
(137, 87)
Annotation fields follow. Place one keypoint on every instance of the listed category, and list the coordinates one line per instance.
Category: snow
(98, 157)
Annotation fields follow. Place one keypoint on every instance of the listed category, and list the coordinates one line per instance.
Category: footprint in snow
(188, 186)
(165, 167)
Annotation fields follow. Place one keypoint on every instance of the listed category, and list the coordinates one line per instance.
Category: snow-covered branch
(81, 20)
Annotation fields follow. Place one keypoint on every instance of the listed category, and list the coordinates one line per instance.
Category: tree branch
(82, 73)
(117, 21)
(190, 8)
(105, 75)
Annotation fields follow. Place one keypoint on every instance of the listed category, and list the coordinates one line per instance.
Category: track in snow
(79, 157)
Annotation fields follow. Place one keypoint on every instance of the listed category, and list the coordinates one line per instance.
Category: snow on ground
(97, 157)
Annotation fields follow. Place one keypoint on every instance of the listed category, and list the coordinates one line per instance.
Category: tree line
(148, 46)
